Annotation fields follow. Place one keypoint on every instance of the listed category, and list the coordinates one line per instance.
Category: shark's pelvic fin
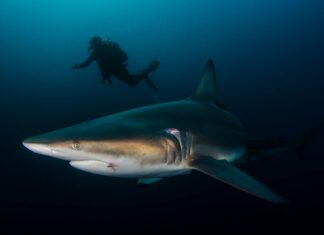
(225, 172)
(147, 181)
(207, 90)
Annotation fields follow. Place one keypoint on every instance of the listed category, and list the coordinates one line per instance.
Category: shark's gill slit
(174, 145)
(183, 142)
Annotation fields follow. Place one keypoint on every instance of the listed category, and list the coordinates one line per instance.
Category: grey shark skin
(152, 142)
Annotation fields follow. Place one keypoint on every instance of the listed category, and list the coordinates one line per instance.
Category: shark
(153, 142)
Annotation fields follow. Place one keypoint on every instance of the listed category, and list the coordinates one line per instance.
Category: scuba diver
(111, 60)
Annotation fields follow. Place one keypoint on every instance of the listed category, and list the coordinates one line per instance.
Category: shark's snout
(36, 146)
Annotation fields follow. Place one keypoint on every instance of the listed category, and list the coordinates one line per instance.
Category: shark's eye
(76, 145)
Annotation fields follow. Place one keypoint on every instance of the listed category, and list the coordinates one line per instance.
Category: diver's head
(95, 42)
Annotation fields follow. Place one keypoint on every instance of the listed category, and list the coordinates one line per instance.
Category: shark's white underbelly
(127, 168)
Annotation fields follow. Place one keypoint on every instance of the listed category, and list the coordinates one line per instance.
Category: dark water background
(269, 60)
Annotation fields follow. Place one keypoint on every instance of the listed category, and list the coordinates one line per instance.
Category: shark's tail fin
(304, 140)
(264, 148)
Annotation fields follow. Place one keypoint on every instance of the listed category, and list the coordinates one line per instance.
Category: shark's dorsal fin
(207, 90)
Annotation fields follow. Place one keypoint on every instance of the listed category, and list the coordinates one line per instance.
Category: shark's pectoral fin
(224, 171)
(147, 181)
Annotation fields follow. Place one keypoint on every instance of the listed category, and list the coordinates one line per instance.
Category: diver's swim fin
(152, 66)
(151, 84)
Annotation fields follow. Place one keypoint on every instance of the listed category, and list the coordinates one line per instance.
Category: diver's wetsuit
(109, 66)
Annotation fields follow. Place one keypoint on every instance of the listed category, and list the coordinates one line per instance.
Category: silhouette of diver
(111, 60)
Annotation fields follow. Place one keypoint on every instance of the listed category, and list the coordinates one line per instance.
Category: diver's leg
(133, 79)
(123, 74)
(136, 78)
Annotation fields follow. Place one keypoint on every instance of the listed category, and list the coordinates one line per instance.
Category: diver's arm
(85, 63)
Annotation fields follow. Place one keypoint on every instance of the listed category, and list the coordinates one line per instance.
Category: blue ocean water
(269, 62)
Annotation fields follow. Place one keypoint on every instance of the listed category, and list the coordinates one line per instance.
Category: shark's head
(112, 146)
(108, 140)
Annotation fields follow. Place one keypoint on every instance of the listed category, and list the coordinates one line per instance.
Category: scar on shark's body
(112, 166)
